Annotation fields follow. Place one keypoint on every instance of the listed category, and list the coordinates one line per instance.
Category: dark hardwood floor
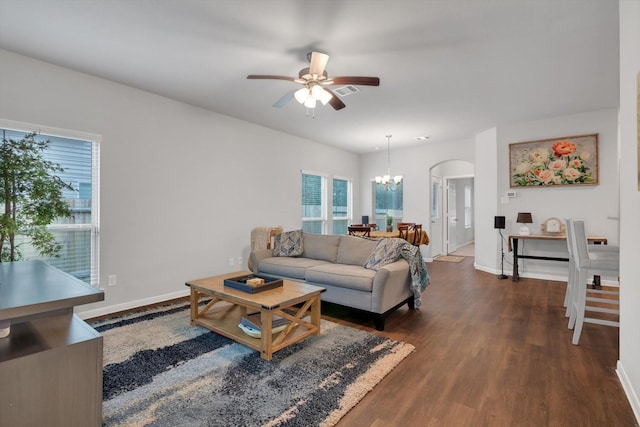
(492, 352)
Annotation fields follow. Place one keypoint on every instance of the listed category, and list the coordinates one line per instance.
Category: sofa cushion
(342, 275)
(385, 252)
(323, 247)
(355, 250)
(294, 268)
(288, 243)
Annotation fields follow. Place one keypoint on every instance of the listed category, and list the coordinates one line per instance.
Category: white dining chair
(595, 251)
(586, 265)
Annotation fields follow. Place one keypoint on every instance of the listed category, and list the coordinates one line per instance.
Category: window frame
(398, 214)
(323, 200)
(349, 216)
(468, 206)
(94, 226)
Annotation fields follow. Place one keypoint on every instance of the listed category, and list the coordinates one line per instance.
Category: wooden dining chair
(406, 223)
(417, 234)
(360, 230)
(403, 230)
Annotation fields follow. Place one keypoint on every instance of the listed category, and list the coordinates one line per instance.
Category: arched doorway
(452, 206)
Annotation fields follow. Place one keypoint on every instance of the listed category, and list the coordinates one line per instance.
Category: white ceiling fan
(315, 81)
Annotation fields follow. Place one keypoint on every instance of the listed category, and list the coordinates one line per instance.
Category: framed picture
(570, 160)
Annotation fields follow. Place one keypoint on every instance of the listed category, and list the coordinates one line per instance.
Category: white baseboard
(541, 276)
(632, 397)
(103, 311)
(485, 268)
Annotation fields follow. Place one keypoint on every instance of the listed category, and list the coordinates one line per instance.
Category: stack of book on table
(251, 325)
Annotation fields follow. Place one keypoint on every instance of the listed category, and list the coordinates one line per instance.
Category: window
(387, 201)
(314, 203)
(78, 234)
(342, 215)
(435, 200)
(467, 206)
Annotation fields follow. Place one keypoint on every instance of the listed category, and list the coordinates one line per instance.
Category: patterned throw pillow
(288, 243)
(385, 252)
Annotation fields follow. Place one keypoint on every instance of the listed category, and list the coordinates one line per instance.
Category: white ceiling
(448, 68)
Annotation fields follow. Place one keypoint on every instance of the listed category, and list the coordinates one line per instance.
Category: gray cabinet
(51, 363)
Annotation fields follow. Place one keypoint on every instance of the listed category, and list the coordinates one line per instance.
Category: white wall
(598, 205)
(463, 235)
(629, 363)
(487, 239)
(181, 187)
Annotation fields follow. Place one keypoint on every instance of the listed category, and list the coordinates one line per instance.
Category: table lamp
(524, 218)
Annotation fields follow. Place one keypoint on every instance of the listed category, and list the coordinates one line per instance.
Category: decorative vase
(389, 228)
(5, 328)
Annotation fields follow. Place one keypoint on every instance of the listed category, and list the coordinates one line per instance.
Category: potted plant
(389, 223)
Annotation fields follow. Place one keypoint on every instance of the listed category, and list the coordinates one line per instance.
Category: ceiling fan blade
(335, 102)
(260, 76)
(318, 63)
(356, 80)
(284, 100)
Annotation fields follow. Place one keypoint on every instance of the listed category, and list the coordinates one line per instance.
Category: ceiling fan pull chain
(313, 112)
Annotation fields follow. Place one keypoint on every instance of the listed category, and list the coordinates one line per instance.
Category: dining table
(424, 237)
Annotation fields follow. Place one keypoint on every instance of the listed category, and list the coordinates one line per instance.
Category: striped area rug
(161, 371)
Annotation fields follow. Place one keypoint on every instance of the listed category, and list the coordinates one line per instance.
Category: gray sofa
(336, 263)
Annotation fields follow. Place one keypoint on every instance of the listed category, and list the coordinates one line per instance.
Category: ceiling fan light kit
(313, 79)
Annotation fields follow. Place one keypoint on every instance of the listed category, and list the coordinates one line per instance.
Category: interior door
(436, 232)
(452, 217)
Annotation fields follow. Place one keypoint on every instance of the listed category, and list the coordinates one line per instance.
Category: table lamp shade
(524, 218)
(498, 222)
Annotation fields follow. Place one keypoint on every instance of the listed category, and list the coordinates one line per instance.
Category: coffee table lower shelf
(224, 321)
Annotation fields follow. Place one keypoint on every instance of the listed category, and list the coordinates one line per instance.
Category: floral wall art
(570, 160)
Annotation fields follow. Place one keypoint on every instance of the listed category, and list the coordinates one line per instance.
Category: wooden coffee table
(227, 306)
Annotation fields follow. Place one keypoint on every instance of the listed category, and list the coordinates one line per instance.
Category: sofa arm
(258, 255)
(391, 285)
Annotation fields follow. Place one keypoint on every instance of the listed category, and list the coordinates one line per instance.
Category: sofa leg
(411, 302)
(378, 320)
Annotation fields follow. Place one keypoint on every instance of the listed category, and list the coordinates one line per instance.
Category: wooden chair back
(360, 230)
(417, 234)
(403, 230)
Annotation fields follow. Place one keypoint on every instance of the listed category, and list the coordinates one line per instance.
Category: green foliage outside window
(32, 195)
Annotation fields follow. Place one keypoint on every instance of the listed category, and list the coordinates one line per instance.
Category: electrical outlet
(113, 280)
(231, 262)
(239, 260)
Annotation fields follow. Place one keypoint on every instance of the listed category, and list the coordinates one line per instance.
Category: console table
(51, 362)
(513, 245)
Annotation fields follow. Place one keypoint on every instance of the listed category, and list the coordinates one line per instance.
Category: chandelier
(310, 94)
(390, 182)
